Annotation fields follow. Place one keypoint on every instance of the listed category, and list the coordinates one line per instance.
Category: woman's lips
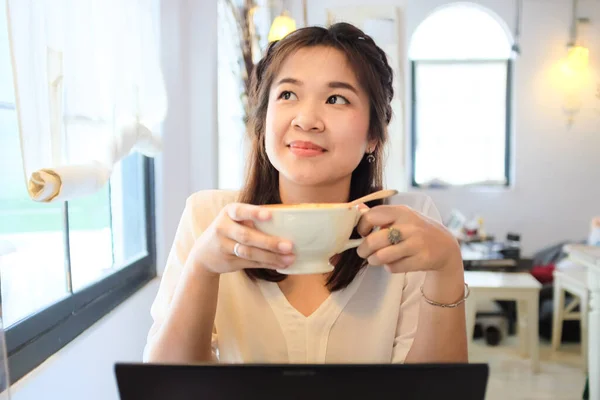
(305, 149)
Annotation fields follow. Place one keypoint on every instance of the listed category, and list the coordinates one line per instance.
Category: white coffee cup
(318, 231)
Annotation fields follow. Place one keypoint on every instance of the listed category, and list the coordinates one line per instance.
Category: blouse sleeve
(196, 216)
(411, 299)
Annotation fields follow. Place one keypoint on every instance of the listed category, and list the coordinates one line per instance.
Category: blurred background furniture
(497, 318)
(520, 287)
(589, 257)
(574, 281)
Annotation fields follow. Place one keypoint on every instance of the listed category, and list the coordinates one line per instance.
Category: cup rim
(299, 208)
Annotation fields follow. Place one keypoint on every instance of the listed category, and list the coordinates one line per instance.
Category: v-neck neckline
(273, 292)
(307, 336)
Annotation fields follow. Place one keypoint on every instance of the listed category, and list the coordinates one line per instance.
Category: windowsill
(38, 337)
(84, 368)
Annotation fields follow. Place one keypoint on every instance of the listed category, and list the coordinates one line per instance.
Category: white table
(589, 257)
(513, 286)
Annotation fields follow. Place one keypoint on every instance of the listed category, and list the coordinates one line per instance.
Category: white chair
(574, 281)
(516, 286)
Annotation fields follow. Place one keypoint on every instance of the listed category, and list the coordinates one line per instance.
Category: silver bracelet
(453, 305)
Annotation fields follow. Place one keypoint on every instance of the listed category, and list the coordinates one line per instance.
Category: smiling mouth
(306, 146)
(306, 149)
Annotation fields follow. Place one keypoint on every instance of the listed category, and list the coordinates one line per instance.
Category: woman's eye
(337, 99)
(287, 95)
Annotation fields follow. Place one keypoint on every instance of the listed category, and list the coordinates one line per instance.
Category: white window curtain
(88, 89)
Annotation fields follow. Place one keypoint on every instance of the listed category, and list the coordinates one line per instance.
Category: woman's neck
(292, 193)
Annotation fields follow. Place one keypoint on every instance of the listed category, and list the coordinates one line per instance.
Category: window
(461, 71)
(65, 265)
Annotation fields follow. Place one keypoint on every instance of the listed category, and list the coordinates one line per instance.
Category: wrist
(202, 277)
(453, 265)
(199, 269)
(204, 272)
(447, 284)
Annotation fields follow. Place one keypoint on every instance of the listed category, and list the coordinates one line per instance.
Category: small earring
(370, 158)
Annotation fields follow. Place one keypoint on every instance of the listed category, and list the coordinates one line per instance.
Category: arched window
(461, 88)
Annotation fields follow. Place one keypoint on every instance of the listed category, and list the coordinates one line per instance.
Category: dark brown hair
(374, 75)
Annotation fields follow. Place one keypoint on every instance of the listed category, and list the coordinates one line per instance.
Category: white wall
(188, 162)
(84, 368)
(556, 173)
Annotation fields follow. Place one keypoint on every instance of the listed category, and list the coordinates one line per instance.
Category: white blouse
(373, 320)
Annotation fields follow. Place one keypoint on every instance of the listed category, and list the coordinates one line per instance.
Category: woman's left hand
(424, 245)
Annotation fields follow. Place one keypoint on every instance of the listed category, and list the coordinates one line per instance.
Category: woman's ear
(371, 145)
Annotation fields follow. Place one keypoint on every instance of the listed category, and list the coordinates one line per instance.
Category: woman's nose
(308, 120)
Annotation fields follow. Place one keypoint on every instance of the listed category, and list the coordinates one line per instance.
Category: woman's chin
(304, 180)
(314, 178)
(297, 177)
(304, 173)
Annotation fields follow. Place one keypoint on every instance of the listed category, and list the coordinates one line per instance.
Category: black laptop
(282, 382)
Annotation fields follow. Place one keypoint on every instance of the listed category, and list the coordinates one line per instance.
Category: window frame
(32, 340)
(508, 122)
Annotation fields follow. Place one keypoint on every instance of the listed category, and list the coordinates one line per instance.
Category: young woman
(321, 105)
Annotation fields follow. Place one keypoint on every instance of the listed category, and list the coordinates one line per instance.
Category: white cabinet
(589, 257)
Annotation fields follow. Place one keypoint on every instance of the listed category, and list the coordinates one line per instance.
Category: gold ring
(394, 236)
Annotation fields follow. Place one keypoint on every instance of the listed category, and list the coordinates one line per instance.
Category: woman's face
(317, 118)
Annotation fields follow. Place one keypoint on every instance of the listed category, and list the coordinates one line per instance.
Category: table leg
(522, 326)
(533, 331)
(557, 315)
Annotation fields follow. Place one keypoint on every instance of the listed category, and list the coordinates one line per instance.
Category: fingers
(253, 257)
(396, 254)
(380, 239)
(363, 207)
(255, 247)
(383, 216)
(247, 212)
(251, 237)
(406, 264)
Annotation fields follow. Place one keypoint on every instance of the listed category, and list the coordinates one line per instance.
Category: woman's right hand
(213, 251)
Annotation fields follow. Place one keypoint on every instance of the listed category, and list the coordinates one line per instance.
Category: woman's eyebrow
(289, 80)
(332, 85)
(343, 85)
